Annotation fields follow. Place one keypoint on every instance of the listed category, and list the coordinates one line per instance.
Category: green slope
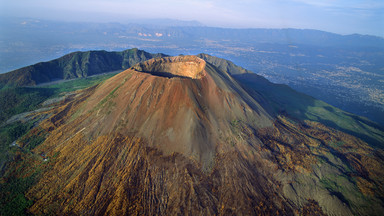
(75, 65)
(16, 100)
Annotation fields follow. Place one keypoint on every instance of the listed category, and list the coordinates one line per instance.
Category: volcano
(178, 104)
(183, 136)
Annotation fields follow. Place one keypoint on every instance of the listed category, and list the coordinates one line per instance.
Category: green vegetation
(14, 101)
(34, 141)
(14, 187)
(18, 100)
(73, 85)
(75, 65)
(17, 180)
(10, 133)
(23, 99)
(13, 201)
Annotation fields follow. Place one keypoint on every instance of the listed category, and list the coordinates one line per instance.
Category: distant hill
(75, 65)
(283, 36)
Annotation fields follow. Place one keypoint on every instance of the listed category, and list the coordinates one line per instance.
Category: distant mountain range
(53, 36)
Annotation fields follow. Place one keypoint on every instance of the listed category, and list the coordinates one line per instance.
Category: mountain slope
(303, 107)
(178, 135)
(75, 65)
(171, 101)
(283, 99)
(223, 64)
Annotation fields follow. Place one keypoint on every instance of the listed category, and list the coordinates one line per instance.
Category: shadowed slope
(75, 65)
(283, 99)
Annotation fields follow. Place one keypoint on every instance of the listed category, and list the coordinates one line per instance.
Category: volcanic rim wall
(177, 66)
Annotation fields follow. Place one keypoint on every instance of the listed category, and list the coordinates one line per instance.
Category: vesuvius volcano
(197, 135)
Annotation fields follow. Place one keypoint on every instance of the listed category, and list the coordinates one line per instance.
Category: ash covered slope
(177, 135)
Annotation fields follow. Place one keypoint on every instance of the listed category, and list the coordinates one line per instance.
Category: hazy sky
(339, 16)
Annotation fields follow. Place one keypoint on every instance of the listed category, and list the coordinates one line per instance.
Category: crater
(191, 67)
